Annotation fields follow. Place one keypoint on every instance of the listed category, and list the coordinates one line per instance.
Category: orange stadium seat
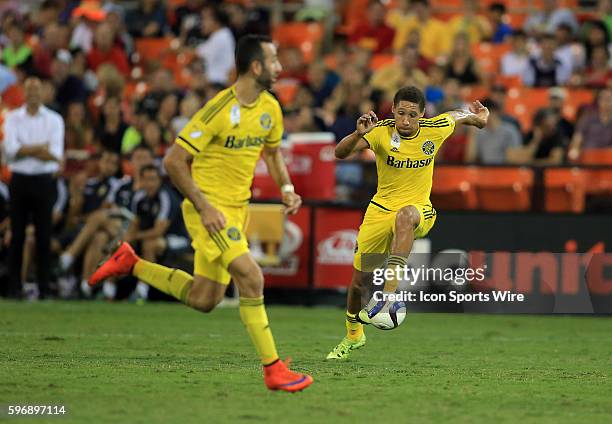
(474, 92)
(575, 99)
(453, 187)
(149, 49)
(599, 181)
(304, 35)
(488, 56)
(286, 89)
(522, 103)
(596, 157)
(565, 190)
(504, 189)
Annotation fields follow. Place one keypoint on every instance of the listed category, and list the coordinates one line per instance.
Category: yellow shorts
(377, 230)
(214, 252)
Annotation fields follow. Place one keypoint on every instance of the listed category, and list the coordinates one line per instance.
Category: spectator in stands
(490, 145)
(500, 29)
(248, 18)
(604, 13)
(85, 19)
(54, 38)
(217, 51)
(187, 18)
(373, 34)
(115, 17)
(148, 20)
(598, 73)
(476, 26)
(596, 35)
(321, 81)
(461, 66)
(34, 146)
(190, 104)
(106, 51)
(16, 52)
(435, 39)
(133, 135)
(152, 138)
(111, 126)
(548, 19)
(568, 50)
(87, 213)
(452, 96)
(79, 134)
(434, 91)
(69, 87)
(167, 111)
(293, 64)
(498, 96)
(398, 74)
(152, 207)
(546, 69)
(546, 143)
(515, 62)
(556, 96)
(594, 129)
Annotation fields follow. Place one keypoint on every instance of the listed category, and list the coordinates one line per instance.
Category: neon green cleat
(363, 317)
(344, 348)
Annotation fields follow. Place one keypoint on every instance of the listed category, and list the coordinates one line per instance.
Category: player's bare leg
(248, 277)
(406, 221)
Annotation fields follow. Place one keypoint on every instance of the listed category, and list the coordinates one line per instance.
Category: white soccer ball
(387, 315)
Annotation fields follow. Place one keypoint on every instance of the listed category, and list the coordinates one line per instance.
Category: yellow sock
(354, 329)
(171, 281)
(253, 315)
(393, 262)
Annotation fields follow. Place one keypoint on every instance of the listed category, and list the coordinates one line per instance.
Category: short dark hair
(150, 167)
(498, 7)
(142, 146)
(218, 14)
(248, 50)
(410, 94)
(491, 105)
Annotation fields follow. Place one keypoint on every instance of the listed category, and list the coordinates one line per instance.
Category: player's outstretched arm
(177, 162)
(477, 115)
(354, 142)
(278, 170)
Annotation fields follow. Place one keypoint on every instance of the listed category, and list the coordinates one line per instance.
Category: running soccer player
(212, 163)
(400, 211)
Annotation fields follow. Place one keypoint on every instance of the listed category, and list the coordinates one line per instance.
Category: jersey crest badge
(428, 147)
(233, 233)
(235, 115)
(265, 121)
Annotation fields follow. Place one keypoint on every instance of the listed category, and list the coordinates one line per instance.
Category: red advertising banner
(294, 252)
(311, 163)
(335, 237)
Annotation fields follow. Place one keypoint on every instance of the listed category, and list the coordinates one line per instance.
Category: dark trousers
(31, 196)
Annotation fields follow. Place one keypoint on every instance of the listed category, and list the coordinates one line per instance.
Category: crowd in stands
(126, 76)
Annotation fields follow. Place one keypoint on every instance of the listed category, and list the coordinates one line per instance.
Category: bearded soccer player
(212, 163)
(400, 211)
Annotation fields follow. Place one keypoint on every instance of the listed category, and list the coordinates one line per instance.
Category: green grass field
(163, 363)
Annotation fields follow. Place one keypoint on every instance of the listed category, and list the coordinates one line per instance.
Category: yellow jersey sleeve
(443, 124)
(374, 136)
(198, 133)
(276, 132)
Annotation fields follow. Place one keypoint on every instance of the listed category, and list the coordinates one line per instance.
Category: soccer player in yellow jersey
(212, 163)
(400, 211)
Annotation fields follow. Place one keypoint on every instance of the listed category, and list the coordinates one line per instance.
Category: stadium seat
(504, 189)
(488, 56)
(565, 190)
(522, 103)
(304, 35)
(576, 99)
(286, 89)
(599, 181)
(453, 187)
(380, 60)
(596, 157)
(474, 92)
(151, 49)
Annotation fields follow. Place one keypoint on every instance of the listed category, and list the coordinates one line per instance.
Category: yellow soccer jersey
(226, 139)
(405, 164)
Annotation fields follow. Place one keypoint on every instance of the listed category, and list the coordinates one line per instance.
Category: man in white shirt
(217, 51)
(34, 148)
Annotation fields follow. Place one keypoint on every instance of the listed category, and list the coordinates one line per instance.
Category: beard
(265, 80)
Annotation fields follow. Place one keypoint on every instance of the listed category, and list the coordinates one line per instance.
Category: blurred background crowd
(125, 77)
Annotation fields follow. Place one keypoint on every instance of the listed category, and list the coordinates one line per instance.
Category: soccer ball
(386, 315)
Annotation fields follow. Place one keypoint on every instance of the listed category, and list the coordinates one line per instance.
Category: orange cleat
(120, 263)
(278, 376)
